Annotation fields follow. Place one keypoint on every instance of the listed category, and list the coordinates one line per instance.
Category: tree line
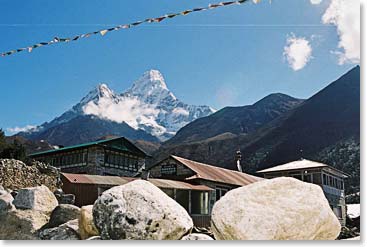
(11, 150)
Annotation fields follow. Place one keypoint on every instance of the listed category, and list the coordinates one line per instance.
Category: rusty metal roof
(115, 181)
(217, 174)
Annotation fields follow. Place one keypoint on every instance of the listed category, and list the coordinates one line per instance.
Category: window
(219, 192)
(307, 178)
(299, 177)
(169, 192)
(182, 198)
(338, 211)
(199, 202)
(316, 177)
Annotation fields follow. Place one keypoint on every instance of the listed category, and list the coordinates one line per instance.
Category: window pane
(169, 192)
(199, 202)
(182, 197)
(307, 178)
(217, 194)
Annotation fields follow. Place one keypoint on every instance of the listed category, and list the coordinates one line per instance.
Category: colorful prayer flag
(125, 26)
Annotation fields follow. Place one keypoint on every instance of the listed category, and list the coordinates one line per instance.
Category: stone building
(117, 156)
(328, 178)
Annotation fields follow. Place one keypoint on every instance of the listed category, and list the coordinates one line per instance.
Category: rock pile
(14, 175)
(276, 209)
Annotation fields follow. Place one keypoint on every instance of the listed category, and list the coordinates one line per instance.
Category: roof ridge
(212, 166)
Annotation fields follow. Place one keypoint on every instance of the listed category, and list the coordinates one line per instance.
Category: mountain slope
(236, 120)
(323, 128)
(83, 129)
(30, 146)
(330, 116)
(147, 111)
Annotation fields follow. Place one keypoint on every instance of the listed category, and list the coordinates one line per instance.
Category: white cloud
(297, 52)
(128, 110)
(181, 111)
(21, 129)
(345, 15)
(315, 1)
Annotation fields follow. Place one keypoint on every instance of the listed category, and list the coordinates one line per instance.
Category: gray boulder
(67, 231)
(14, 193)
(139, 210)
(38, 198)
(6, 200)
(66, 199)
(63, 198)
(62, 214)
(197, 236)
(21, 224)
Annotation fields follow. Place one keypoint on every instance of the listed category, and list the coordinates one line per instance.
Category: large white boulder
(38, 198)
(140, 210)
(275, 209)
(87, 229)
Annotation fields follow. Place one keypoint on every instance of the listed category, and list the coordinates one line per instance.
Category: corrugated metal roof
(217, 174)
(74, 146)
(166, 183)
(114, 181)
(303, 164)
(295, 165)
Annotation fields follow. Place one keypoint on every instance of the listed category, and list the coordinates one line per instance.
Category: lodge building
(328, 178)
(117, 156)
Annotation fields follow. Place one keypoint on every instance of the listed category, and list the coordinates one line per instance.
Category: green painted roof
(88, 144)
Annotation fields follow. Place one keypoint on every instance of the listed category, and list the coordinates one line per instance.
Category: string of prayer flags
(103, 32)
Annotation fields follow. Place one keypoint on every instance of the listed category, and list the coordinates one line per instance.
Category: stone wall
(15, 174)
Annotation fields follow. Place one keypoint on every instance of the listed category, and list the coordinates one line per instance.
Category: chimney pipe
(145, 174)
(239, 157)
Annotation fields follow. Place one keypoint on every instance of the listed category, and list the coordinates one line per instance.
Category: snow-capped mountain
(148, 105)
(170, 113)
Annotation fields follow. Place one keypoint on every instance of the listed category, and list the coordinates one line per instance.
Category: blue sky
(227, 56)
